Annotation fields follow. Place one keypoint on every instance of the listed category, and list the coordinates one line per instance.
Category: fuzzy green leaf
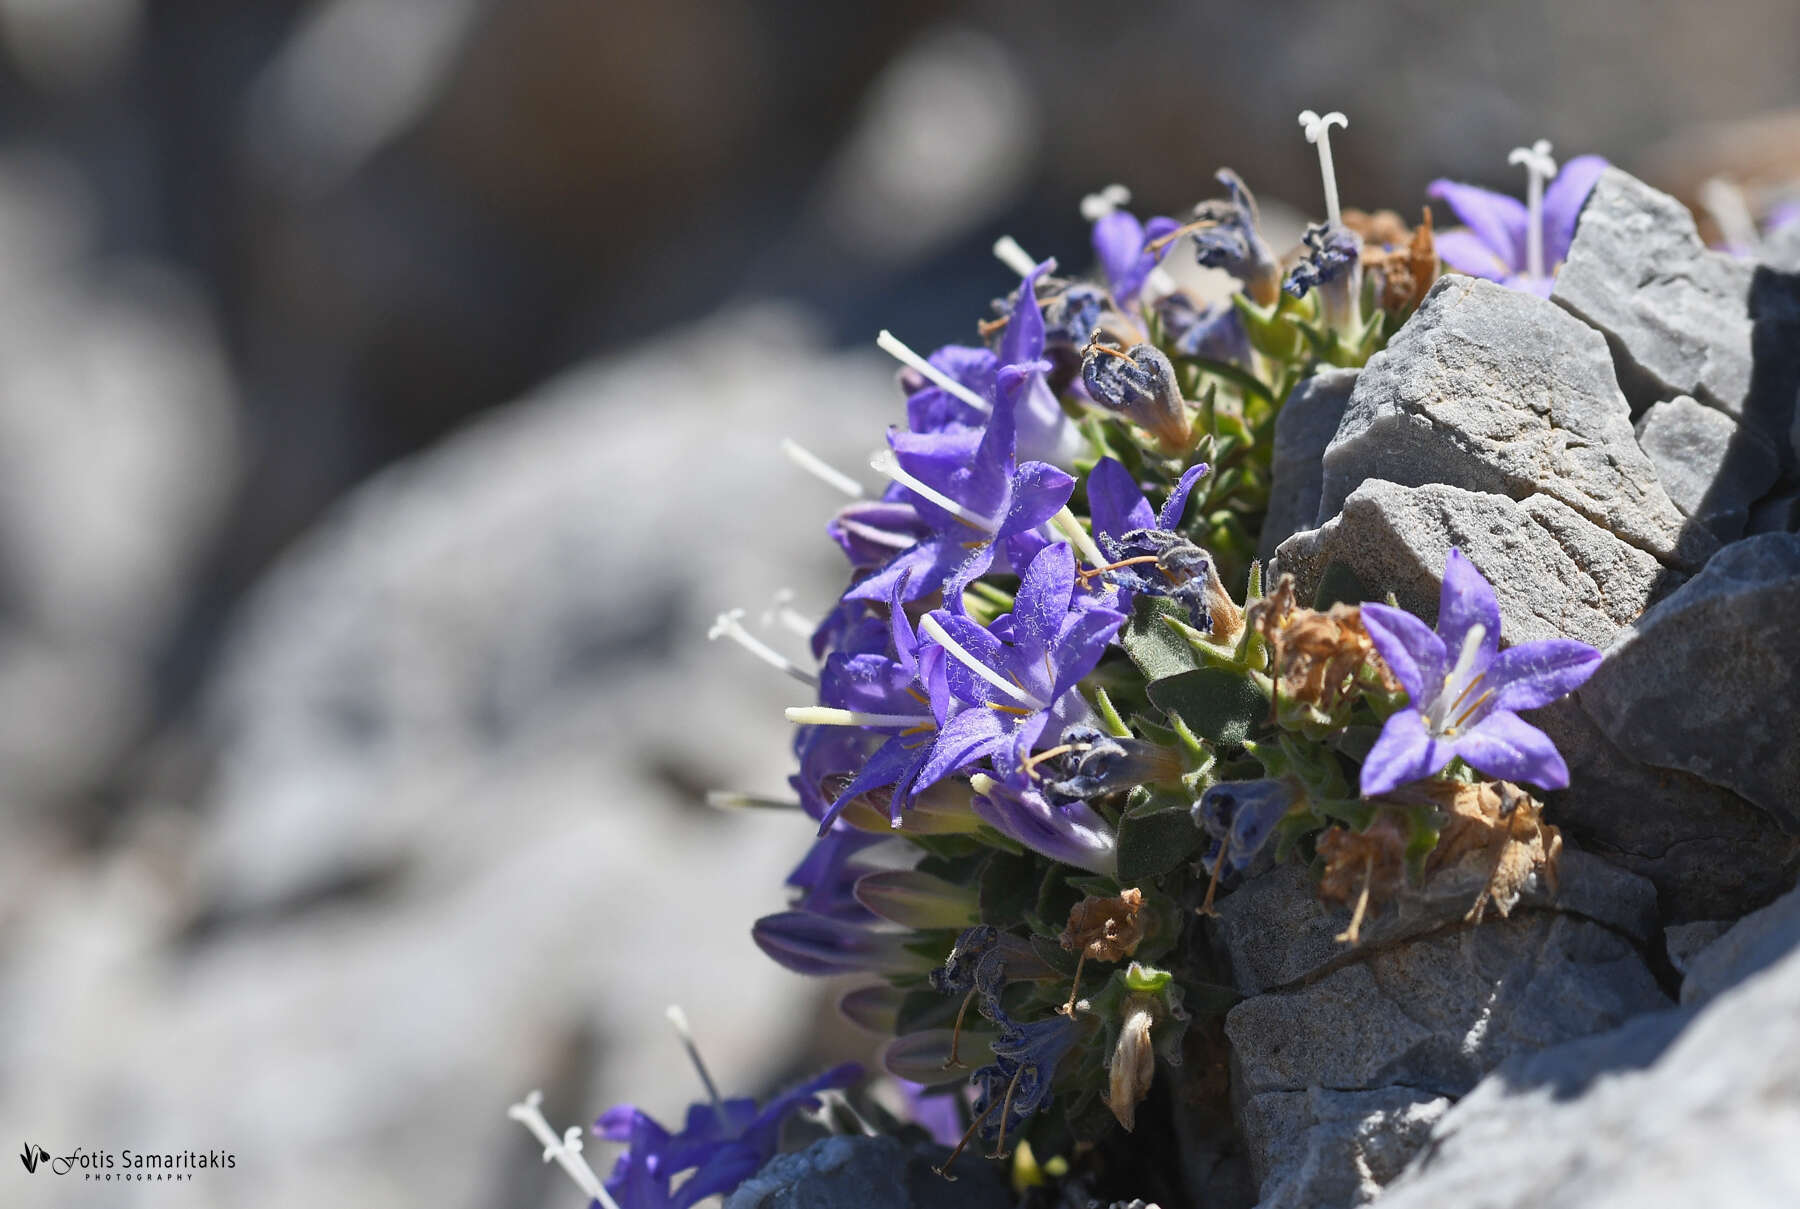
(1154, 842)
(1215, 704)
(1157, 650)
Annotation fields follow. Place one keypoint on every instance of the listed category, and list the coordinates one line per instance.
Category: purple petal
(1497, 220)
(972, 735)
(1406, 752)
(1119, 245)
(1114, 501)
(1042, 601)
(1039, 490)
(979, 556)
(1176, 504)
(1563, 199)
(1506, 746)
(1079, 648)
(1467, 600)
(985, 647)
(810, 944)
(1023, 340)
(1537, 673)
(1465, 252)
(1409, 647)
(1072, 834)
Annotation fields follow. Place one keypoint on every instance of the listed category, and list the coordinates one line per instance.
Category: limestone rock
(1556, 574)
(1711, 467)
(1498, 391)
(1730, 632)
(1692, 1106)
(1303, 429)
(1751, 945)
(1321, 1147)
(1681, 319)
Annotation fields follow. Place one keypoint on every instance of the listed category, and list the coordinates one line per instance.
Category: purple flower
(1015, 676)
(1227, 236)
(1242, 815)
(1217, 333)
(1119, 240)
(817, 945)
(721, 1144)
(1464, 690)
(1044, 429)
(1070, 833)
(1018, 1082)
(971, 495)
(1126, 528)
(931, 408)
(1496, 243)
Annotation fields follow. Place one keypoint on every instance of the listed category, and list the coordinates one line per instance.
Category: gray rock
(1781, 249)
(1277, 934)
(1711, 467)
(1323, 1148)
(1498, 391)
(1777, 512)
(1694, 1106)
(1710, 854)
(1303, 429)
(1684, 941)
(1439, 1012)
(872, 1173)
(1681, 319)
(1730, 628)
(1751, 945)
(1556, 574)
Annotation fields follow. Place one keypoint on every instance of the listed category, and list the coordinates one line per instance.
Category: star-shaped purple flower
(1464, 690)
(1018, 675)
(722, 1145)
(1495, 244)
(1119, 240)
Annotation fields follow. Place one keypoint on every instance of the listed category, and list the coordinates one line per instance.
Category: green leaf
(1250, 384)
(1339, 584)
(1154, 842)
(1157, 650)
(1008, 889)
(1217, 705)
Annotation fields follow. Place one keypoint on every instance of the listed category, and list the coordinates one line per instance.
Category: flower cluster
(1058, 680)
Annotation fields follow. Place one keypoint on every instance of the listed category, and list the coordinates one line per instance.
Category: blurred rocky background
(390, 392)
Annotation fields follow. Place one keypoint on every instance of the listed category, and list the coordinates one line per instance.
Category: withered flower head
(1362, 867)
(1404, 265)
(1105, 929)
(1133, 1064)
(1313, 655)
(1499, 825)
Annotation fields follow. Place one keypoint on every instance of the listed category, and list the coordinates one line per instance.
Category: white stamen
(1160, 284)
(1318, 133)
(730, 625)
(825, 1116)
(781, 611)
(958, 652)
(733, 799)
(566, 1150)
(1456, 682)
(1096, 206)
(824, 715)
(1730, 213)
(679, 1019)
(1539, 167)
(819, 468)
(888, 344)
(1080, 538)
(1010, 254)
(880, 537)
(885, 462)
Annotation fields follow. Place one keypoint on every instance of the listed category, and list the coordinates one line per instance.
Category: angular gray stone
(872, 1173)
(1712, 468)
(1321, 1148)
(1710, 854)
(1781, 249)
(1556, 574)
(1498, 391)
(1731, 632)
(1751, 945)
(1693, 1106)
(1684, 942)
(1681, 319)
(1276, 933)
(1777, 512)
(1303, 429)
(1437, 1013)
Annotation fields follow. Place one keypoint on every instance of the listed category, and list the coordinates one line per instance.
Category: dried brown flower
(1362, 867)
(1105, 929)
(1501, 825)
(1313, 655)
(1133, 1065)
(1408, 264)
